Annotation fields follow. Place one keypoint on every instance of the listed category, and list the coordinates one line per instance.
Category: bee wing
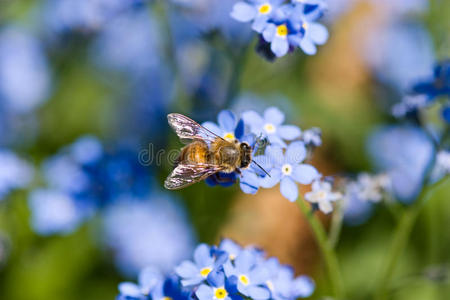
(188, 129)
(186, 174)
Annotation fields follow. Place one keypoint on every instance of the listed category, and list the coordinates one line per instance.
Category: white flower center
(286, 169)
(270, 128)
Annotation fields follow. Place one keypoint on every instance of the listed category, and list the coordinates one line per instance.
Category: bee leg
(238, 171)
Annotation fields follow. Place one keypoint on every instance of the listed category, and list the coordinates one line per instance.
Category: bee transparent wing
(186, 174)
(188, 129)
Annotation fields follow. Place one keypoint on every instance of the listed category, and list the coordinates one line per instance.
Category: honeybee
(206, 154)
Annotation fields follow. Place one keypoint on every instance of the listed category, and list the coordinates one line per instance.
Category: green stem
(336, 225)
(326, 249)
(399, 242)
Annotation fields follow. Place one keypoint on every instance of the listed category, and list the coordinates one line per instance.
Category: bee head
(246, 155)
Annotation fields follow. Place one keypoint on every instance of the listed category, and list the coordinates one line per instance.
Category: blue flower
(282, 283)
(205, 261)
(15, 173)
(150, 279)
(251, 277)
(222, 273)
(405, 154)
(93, 176)
(270, 126)
(289, 169)
(217, 288)
(312, 137)
(53, 211)
(136, 53)
(411, 58)
(438, 84)
(258, 11)
(22, 63)
(229, 127)
(126, 231)
(284, 27)
(232, 248)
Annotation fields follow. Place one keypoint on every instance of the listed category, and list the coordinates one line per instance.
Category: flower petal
(213, 128)
(289, 132)
(272, 180)
(202, 256)
(269, 32)
(295, 153)
(325, 207)
(305, 174)
(244, 261)
(318, 33)
(274, 116)
(249, 182)
(186, 269)
(303, 287)
(256, 292)
(205, 292)
(254, 120)
(260, 23)
(243, 12)
(227, 120)
(289, 189)
(129, 289)
(279, 46)
(308, 46)
(276, 140)
(274, 154)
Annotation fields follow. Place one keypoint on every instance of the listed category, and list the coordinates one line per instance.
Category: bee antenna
(261, 168)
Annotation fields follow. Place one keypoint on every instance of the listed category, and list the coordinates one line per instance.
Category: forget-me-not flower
(322, 195)
(257, 11)
(132, 228)
(22, 64)
(405, 154)
(251, 277)
(288, 168)
(270, 125)
(15, 173)
(205, 261)
(282, 283)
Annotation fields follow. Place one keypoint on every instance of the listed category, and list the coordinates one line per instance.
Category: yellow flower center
(205, 271)
(220, 293)
(232, 256)
(244, 279)
(270, 285)
(229, 136)
(282, 30)
(321, 195)
(265, 8)
(286, 169)
(270, 128)
(305, 25)
(166, 298)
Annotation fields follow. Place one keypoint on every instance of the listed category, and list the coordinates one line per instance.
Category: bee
(205, 154)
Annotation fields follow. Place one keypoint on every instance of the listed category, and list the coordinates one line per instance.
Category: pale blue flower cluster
(81, 179)
(280, 149)
(152, 231)
(15, 173)
(25, 80)
(226, 272)
(284, 26)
